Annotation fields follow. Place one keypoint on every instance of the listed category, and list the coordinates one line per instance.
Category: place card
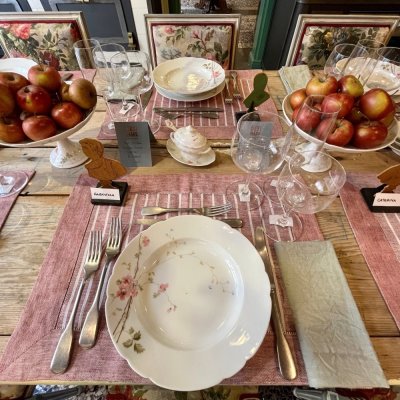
(134, 139)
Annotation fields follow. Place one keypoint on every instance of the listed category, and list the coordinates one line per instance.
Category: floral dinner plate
(188, 302)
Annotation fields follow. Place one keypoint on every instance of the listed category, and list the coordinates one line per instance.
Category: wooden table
(30, 226)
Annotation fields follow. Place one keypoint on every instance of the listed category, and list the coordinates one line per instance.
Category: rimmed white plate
(18, 65)
(188, 75)
(191, 98)
(188, 302)
(201, 161)
(390, 138)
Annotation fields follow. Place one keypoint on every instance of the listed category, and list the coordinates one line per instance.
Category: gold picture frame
(316, 35)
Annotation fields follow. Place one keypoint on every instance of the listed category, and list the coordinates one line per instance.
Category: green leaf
(138, 348)
(218, 47)
(128, 343)
(137, 335)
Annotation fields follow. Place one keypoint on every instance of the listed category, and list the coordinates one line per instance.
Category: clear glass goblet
(11, 182)
(301, 190)
(259, 146)
(338, 58)
(83, 50)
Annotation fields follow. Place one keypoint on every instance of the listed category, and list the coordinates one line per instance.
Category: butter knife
(286, 363)
(232, 222)
(188, 108)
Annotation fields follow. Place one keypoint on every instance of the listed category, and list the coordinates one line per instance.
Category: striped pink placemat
(221, 128)
(378, 236)
(7, 202)
(30, 349)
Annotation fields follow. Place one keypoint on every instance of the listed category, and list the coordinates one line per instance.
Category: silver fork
(236, 91)
(61, 356)
(87, 339)
(207, 211)
(227, 92)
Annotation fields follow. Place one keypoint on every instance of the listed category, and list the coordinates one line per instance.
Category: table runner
(29, 351)
(377, 231)
(221, 128)
(6, 203)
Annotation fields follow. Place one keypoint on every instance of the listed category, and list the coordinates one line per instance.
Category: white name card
(104, 194)
(387, 200)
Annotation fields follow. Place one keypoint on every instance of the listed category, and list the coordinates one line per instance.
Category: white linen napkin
(295, 77)
(335, 345)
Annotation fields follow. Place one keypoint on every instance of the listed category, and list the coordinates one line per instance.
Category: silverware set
(235, 93)
(176, 112)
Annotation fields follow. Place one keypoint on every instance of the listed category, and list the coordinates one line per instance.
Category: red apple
(345, 100)
(34, 99)
(322, 85)
(306, 118)
(67, 114)
(45, 76)
(340, 131)
(369, 134)
(7, 102)
(351, 85)
(83, 93)
(297, 98)
(355, 116)
(376, 104)
(13, 80)
(38, 127)
(11, 130)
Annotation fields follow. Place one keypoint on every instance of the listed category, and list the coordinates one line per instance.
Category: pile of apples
(363, 119)
(42, 105)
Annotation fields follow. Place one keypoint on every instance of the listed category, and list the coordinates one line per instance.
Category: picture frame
(213, 36)
(45, 37)
(316, 35)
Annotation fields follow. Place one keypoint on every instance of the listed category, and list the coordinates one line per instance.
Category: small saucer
(176, 154)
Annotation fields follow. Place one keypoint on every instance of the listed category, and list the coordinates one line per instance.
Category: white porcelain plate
(201, 161)
(188, 302)
(390, 138)
(188, 75)
(18, 65)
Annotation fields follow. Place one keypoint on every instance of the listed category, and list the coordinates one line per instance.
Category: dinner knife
(286, 363)
(188, 108)
(232, 222)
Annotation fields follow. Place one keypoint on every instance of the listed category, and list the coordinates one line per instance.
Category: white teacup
(190, 142)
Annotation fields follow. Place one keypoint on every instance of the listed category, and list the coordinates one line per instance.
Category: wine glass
(301, 190)
(259, 146)
(133, 71)
(386, 73)
(11, 182)
(83, 50)
(337, 59)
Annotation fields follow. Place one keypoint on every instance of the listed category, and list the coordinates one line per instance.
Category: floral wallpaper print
(318, 42)
(46, 43)
(212, 42)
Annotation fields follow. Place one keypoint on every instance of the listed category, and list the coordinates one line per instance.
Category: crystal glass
(11, 182)
(337, 59)
(83, 50)
(259, 146)
(302, 190)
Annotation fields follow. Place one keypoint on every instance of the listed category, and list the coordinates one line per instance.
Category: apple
(13, 80)
(376, 104)
(355, 116)
(322, 85)
(64, 92)
(297, 98)
(38, 127)
(67, 114)
(330, 103)
(340, 131)
(83, 93)
(306, 119)
(7, 102)
(351, 85)
(11, 130)
(45, 76)
(369, 134)
(34, 99)
(387, 121)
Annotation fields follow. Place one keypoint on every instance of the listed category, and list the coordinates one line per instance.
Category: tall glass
(338, 58)
(83, 50)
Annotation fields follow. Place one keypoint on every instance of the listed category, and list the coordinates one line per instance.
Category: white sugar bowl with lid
(190, 142)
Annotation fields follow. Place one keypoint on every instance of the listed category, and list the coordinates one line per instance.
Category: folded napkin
(336, 347)
(295, 77)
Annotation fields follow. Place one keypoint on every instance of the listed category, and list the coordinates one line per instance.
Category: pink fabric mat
(378, 236)
(29, 351)
(221, 128)
(6, 203)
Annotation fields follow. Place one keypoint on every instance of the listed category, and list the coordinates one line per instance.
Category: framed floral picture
(316, 35)
(45, 37)
(189, 35)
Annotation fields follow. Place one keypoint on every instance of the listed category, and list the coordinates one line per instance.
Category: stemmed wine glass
(133, 71)
(83, 50)
(259, 146)
(301, 190)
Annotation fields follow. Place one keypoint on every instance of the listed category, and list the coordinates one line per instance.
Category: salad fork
(90, 327)
(207, 211)
(236, 91)
(61, 356)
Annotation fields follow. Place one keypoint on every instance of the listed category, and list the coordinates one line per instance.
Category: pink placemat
(7, 202)
(29, 351)
(221, 128)
(378, 236)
